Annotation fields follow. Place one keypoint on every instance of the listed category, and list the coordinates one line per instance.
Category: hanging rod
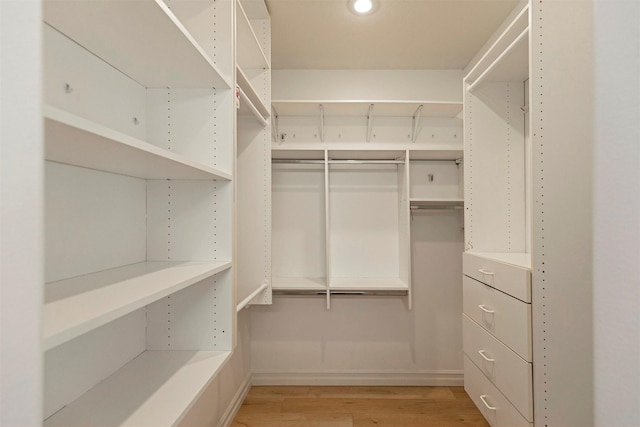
(457, 161)
(363, 162)
(295, 292)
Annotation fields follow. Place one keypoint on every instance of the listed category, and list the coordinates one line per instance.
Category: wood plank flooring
(280, 406)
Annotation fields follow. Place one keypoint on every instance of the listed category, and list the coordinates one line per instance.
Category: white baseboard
(236, 403)
(328, 378)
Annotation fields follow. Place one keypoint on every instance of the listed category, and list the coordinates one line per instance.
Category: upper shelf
(362, 108)
(74, 140)
(163, 55)
(80, 304)
(507, 59)
(249, 51)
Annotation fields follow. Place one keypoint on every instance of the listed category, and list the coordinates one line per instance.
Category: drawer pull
(486, 273)
(485, 309)
(484, 356)
(484, 400)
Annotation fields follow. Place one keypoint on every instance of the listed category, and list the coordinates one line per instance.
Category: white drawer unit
(511, 374)
(507, 272)
(506, 318)
(495, 407)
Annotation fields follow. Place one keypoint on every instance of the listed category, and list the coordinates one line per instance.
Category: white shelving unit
(139, 312)
(497, 226)
(253, 180)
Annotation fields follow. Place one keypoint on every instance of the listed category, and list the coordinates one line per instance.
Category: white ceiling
(401, 34)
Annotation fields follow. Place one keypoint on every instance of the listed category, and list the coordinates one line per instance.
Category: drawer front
(510, 373)
(496, 409)
(511, 279)
(506, 318)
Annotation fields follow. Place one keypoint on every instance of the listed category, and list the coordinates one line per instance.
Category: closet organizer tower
(526, 305)
(144, 102)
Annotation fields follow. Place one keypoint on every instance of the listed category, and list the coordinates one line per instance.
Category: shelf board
(249, 51)
(367, 284)
(255, 9)
(248, 109)
(440, 152)
(157, 388)
(361, 108)
(519, 259)
(283, 153)
(507, 59)
(77, 305)
(163, 55)
(436, 203)
(76, 141)
(299, 283)
(250, 92)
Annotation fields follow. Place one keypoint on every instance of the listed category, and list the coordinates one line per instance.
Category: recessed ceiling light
(361, 7)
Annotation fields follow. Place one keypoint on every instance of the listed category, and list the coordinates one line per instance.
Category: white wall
(21, 203)
(372, 340)
(617, 214)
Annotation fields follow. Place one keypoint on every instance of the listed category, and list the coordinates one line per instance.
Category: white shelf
(440, 152)
(361, 108)
(163, 55)
(74, 140)
(156, 389)
(449, 202)
(249, 51)
(250, 92)
(299, 284)
(77, 305)
(507, 59)
(367, 284)
(284, 153)
(518, 259)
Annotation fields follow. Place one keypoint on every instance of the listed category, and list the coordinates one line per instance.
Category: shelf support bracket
(274, 123)
(369, 122)
(416, 122)
(321, 123)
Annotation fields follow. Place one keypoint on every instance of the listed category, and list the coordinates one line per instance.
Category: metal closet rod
(354, 162)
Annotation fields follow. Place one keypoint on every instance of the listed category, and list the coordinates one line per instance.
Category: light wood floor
(358, 407)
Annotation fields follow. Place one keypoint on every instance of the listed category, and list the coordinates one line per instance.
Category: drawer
(509, 278)
(510, 373)
(496, 409)
(506, 318)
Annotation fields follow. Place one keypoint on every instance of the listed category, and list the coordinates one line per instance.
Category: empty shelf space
(250, 92)
(77, 305)
(249, 51)
(163, 55)
(157, 388)
(361, 108)
(77, 141)
(299, 283)
(367, 284)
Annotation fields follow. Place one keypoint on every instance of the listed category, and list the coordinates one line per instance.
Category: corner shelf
(157, 388)
(80, 304)
(112, 31)
(76, 141)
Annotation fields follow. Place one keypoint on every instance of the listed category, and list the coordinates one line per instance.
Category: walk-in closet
(430, 207)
